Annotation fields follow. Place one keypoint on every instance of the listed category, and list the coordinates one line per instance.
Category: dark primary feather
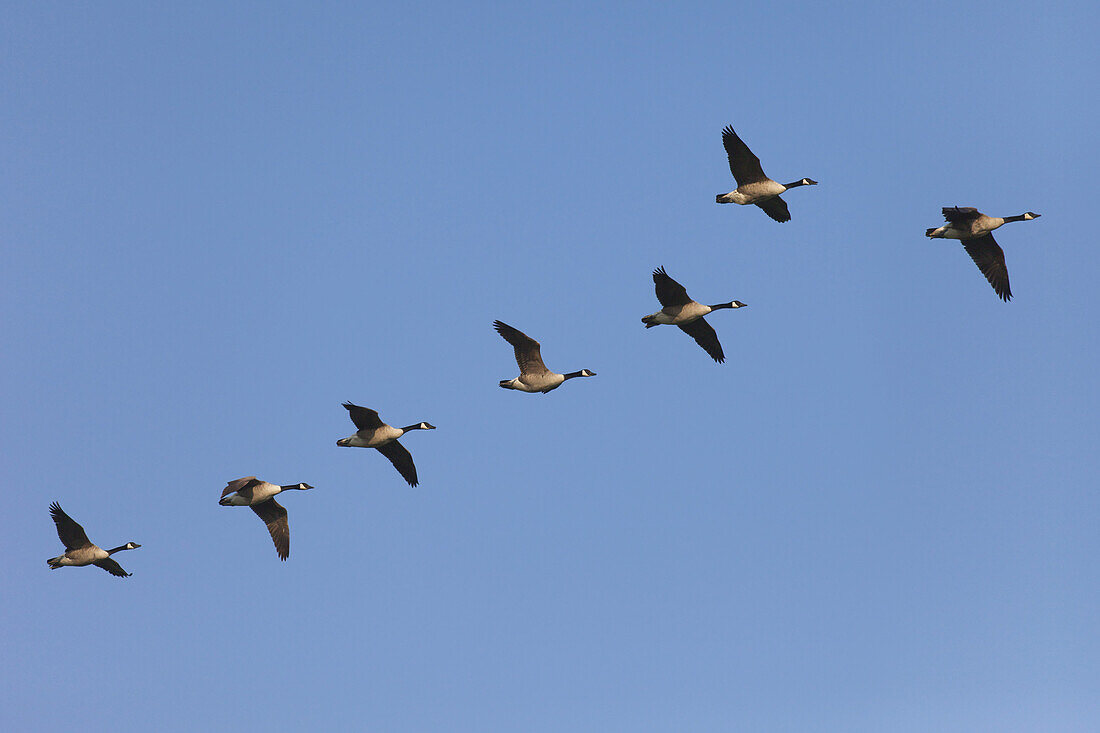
(669, 292)
(401, 459)
(274, 516)
(705, 336)
(990, 259)
(363, 417)
(69, 532)
(776, 208)
(528, 351)
(112, 567)
(957, 215)
(236, 485)
(744, 165)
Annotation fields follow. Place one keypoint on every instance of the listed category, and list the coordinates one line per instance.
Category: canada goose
(753, 187)
(260, 497)
(373, 433)
(79, 550)
(533, 374)
(680, 310)
(974, 229)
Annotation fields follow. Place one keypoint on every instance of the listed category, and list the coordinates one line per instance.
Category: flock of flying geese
(973, 228)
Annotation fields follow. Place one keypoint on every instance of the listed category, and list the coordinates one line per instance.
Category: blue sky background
(219, 222)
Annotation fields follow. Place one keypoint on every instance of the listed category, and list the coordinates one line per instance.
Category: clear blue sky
(218, 223)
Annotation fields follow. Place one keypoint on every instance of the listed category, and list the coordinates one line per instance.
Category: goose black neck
(412, 427)
(117, 549)
(799, 182)
(721, 305)
(570, 375)
(1019, 217)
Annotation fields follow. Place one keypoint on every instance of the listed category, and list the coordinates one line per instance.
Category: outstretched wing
(112, 567)
(964, 215)
(528, 351)
(363, 417)
(401, 459)
(990, 259)
(669, 292)
(744, 165)
(274, 516)
(705, 336)
(69, 532)
(234, 486)
(776, 208)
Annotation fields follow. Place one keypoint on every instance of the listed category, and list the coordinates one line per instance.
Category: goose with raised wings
(79, 550)
(753, 187)
(534, 376)
(373, 433)
(680, 310)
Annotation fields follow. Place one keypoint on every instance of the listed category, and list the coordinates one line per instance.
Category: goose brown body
(79, 550)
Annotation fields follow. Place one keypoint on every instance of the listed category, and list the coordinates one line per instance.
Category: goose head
(1028, 216)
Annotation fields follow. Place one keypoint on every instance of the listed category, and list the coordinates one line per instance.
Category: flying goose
(373, 433)
(974, 229)
(753, 187)
(260, 497)
(79, 550)
(680, 310)
(533, 374)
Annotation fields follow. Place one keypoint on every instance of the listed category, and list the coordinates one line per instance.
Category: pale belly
(264, 492)
(383, 435)
(760, 191)
(680, 315)
(80, 558)
(540, 383)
